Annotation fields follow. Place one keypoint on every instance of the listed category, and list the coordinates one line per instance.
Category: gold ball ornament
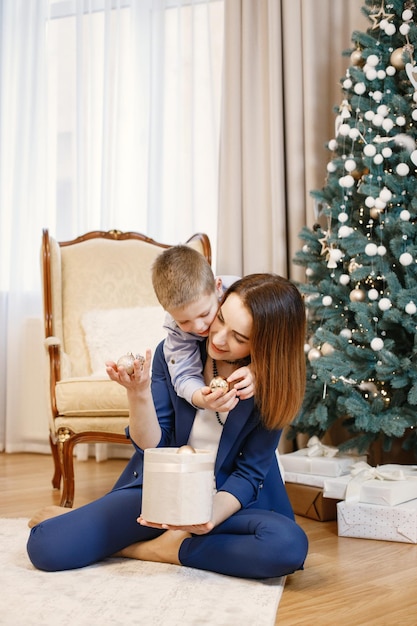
(357, 295)
(127, 361)
(356, 58)
(219, 382)
(186, 450)
(397, 59)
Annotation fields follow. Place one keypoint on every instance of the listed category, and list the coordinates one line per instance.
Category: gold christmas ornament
(397, 58)
(356, 58)
(127, 361)
(218, 382)
(357, 295)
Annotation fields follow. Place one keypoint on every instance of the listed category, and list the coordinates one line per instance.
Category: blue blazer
(246, 464)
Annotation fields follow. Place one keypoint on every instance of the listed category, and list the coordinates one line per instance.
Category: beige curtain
(282, 68)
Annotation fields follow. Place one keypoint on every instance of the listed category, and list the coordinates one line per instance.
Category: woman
(252, 532)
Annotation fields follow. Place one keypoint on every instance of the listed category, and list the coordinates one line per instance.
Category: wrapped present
(383, 485)
(178, 485)
(373, 521)
(319, 459)
(308, 501)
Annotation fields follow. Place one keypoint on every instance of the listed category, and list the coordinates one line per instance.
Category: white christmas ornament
(334, 257)
(387, 125)
(377, 96)
(380, 204)
(350, 165)
(346, 333)
(345, 231)
(347, 83)
(371, 73)
(385, 304)
(404, 29)
(331, 167)
(410, 308)
(370, 202)
(405, 215)
(344, 130)
(407, 15)
(343, 217)
(377, 120)
(309, 272)
(369, 150)
(373, 294)
(386, 153)
(314, 354)
(391, 70)
(382, 250)
(327, 348)
(327, 300)
(390, 29)
(378, 159)
(371, 249)
(369, 115)
(377, 344)
(372, 60)
(332, 145)
(402, 169)
(400, 121)
(413, 157)
(406, 259)
(344, 279)
(359, 88)
(385, 194)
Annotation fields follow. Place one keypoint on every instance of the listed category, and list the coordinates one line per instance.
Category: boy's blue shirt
(182, 354)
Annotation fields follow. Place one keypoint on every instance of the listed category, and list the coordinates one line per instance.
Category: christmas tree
(360, 258)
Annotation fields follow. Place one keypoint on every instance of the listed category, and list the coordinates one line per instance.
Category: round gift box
(178, 485)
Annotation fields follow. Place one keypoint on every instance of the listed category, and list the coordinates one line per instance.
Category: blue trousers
(253, 543)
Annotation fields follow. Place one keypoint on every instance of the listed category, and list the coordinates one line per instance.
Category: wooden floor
(346, 582)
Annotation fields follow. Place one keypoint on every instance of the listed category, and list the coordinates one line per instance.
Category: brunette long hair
(276, 345)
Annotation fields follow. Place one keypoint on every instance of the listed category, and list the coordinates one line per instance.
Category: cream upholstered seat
(99, 304)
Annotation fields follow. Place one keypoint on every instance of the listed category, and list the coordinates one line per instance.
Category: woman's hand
(140, 377)
(242, 380)
(194, 529)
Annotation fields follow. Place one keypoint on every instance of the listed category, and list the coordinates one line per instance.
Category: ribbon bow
(361, 472)
(316, 448)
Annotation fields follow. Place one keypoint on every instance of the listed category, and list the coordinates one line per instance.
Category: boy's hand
(216, 400)
(242, 381)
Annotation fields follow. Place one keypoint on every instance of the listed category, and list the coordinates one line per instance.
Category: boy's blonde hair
(181, 275)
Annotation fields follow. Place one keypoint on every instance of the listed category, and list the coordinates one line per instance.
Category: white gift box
(384, 485)
(178, 485)
(312, 480)
(372, 521)
(319, 460)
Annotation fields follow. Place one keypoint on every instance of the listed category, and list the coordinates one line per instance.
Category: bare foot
(46, 513)
(162, 549)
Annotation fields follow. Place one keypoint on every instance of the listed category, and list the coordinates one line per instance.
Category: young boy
(187, 289)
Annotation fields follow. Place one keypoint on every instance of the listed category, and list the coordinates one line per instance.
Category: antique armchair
(98, 305)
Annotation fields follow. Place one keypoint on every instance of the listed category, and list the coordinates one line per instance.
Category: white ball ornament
(314, 354)
(377, 120)
(390, 29)
(331, 167)
(406, 259)
(382, 110)
(385, 304)
(377, 344)
(380, 204)
(378, 159)
(334, 257)
(350, 165)
(371, 249)
(414, 114)
(354, 133)
(391, 71)
(346, 333)
(373, 60)
(404, 29)
(371, 73)
(359, 88)
(347, 83)
(410, 308)
(347, 181)
(369, 150)
(332, 145)
(400, 120)
(345, 231)
(415, 96)
(369, 202)
(377, 96)
(405, 215)
(344, 130)
(344, 279)
(385, 194)
(327, 300)
(382, 250)
(373, 294)
(402, 169)
(381, 74)
(327, 348)
(388, 124)
(407, 15)
(343, 217)
(309, 272)
(386, 153)
(369, 115)
(413, 156)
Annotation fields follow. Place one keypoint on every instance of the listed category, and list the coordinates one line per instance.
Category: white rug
(124, 591)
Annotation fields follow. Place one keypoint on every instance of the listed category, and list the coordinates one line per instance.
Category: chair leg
(56, 478)
(66, 449)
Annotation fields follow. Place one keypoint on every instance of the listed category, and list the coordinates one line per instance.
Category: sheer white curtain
(109, 118)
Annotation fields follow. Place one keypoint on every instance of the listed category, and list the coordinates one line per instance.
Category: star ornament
(378, 17)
